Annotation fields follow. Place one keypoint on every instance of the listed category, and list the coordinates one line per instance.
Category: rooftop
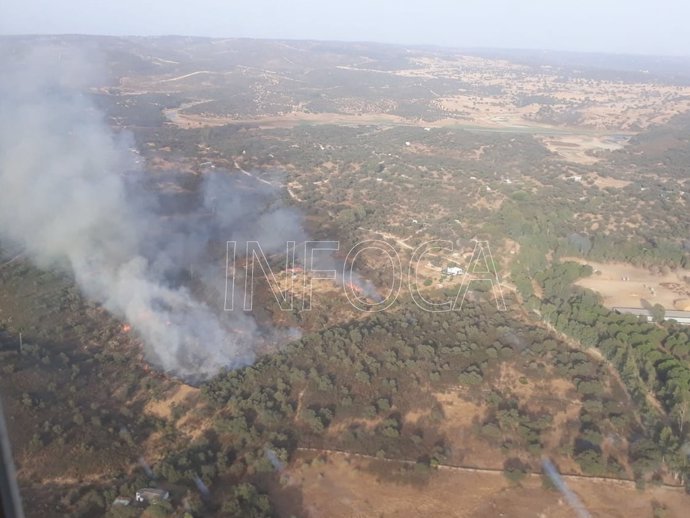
(670, 314)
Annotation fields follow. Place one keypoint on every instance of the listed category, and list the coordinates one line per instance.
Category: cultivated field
(623, 285)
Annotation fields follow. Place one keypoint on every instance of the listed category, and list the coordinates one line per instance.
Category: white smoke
(70, 195)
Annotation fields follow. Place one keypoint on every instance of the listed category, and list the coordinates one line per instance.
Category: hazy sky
(630, 26)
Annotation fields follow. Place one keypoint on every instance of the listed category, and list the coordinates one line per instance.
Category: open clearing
(347, 486)
(584, 139)
(670, 290)
(579, 148)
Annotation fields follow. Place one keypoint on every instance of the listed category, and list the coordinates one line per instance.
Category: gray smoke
(582, 243)
(275, 461)
(346, 275)
(71, 195)
(203, 488)
(573, 500)
(147, 468)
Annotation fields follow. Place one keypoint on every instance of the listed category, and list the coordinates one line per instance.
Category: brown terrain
(350, 486)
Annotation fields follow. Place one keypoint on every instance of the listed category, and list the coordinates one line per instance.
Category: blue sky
(622, 26)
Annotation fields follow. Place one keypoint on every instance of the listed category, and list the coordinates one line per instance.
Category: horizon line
(408, 46)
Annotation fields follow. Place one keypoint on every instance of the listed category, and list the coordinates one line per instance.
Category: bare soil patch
(347, 486)
(624, 285)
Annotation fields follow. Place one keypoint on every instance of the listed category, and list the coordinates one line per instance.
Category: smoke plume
(72, 195)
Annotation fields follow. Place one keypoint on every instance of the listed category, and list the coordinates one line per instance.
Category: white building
(682, 317)
(454, 270)
(148, 494)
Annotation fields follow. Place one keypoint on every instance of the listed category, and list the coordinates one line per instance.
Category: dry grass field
(623, 285)
(343, 486)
